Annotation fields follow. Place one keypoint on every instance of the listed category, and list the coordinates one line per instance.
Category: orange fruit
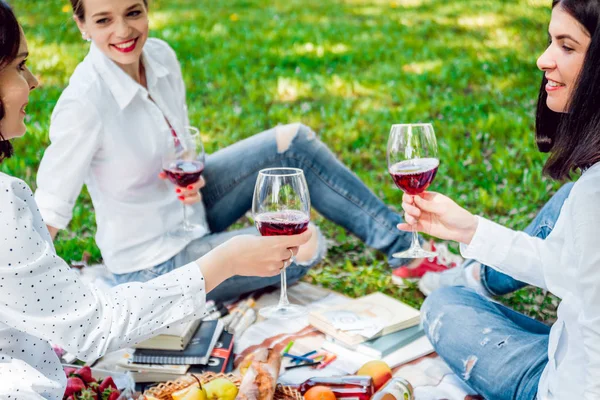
(319, 393)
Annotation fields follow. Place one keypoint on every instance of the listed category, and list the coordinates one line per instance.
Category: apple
(194, 392)
(378, 370)
(220, 389)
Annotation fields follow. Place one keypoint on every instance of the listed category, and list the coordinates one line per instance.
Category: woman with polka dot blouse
(41, 300)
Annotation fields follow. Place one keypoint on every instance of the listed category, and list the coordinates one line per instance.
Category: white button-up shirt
(567, 263)
(42, 299)
(107, 133)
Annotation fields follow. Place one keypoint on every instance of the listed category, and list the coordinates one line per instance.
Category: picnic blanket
(430, 376)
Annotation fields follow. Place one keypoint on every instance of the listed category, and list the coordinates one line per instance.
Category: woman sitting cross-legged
(123, 102)
(43, 300)
(500, 353)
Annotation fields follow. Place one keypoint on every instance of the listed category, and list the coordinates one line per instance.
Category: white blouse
(108, 133)
(42, 300)
(567, 263)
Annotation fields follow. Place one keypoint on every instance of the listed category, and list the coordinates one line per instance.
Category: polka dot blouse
(42, 300)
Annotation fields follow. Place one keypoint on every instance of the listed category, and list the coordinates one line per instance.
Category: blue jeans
(500, 353)
(335, 192)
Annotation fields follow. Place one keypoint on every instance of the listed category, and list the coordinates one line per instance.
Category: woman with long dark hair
(500, 353)
(42, 299)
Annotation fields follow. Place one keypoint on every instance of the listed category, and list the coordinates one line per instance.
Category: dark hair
(79, 11)
(573, 138)
(10, 40)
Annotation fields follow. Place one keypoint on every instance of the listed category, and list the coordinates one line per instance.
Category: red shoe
(442, 262)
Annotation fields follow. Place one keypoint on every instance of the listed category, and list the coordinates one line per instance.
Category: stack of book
(192, 347)
(373, 327)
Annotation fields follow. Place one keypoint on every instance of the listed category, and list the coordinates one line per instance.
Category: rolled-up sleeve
(75, 132)
(42, 296)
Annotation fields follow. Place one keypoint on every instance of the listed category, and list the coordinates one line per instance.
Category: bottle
(355, 387)
(396, 389)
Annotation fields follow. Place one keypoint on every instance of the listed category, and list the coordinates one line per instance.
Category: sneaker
(460, 276)
(443, 261)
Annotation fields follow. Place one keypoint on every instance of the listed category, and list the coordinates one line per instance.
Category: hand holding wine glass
(281, 207)
(183, 164)
(413, 164)
(439, 216)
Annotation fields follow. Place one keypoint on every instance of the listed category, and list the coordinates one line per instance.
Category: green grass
(349, 69)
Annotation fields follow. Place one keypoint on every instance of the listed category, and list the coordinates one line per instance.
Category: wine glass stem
(415, 238)
(186, 223)
(283, 298)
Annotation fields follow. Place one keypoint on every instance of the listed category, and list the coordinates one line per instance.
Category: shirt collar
(121, 85)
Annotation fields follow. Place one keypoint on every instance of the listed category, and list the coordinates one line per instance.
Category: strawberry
(106, 383)
(85, 373)
(74, 386)
(69, 371)
(88, 394)
(114, 396)
(110, 394)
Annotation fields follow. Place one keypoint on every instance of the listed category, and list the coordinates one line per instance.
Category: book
(197, 351)
(384, 345)
(220, 361)
(219, 357)
(365, 318)
(174, 337)
(413, 350)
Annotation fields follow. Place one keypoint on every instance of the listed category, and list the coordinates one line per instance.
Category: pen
(310, 360)
(328, 360)
(312, 364)
(288, 347)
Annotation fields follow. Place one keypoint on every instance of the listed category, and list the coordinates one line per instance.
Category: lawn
(349, 69)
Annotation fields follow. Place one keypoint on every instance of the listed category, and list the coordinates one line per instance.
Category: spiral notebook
(197, 351)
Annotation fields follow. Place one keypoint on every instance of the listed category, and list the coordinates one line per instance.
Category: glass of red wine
(281, 206)
(183, 163)
(413, 163)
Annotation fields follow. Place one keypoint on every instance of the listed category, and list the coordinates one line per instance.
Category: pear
(195, 392)
(220, 389)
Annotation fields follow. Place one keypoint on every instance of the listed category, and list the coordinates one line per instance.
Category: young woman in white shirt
(500, 353)
(42, 300)
(107, 131)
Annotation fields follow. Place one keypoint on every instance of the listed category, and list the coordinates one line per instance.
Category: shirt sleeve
(41, 295)
(514, 253)
(75, 130)
(586, 230)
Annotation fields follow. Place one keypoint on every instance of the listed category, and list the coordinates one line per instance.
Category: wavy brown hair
(10, 40)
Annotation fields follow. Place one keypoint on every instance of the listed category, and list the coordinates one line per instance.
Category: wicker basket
(163, 391)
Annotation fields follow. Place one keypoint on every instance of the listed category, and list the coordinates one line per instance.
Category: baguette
(260, 380)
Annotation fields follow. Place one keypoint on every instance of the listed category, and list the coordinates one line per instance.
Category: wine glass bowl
(281, 206)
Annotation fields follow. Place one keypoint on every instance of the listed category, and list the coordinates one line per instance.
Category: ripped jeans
(335, 192)
(499, 352)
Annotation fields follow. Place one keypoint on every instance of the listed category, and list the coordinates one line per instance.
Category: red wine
(414, 176)
(184, 173)
(280, 223)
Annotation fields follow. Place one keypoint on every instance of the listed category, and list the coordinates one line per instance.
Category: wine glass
(281, 206)
(183, 163)
(413, 163)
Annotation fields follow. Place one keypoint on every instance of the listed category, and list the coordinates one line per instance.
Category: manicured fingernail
(178, 190)
(190, 187)
(181, 198)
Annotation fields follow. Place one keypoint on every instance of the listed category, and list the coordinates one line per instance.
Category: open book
(365, 318)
